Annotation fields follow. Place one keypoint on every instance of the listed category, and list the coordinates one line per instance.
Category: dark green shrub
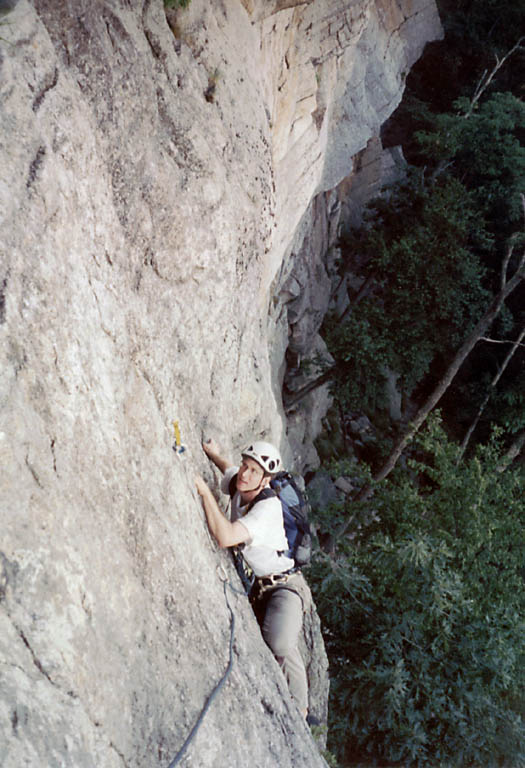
(424, 622)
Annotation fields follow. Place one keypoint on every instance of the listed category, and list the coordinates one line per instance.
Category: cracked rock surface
(157, 183)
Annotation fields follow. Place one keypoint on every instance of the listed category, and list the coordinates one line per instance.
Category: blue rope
(180, 754)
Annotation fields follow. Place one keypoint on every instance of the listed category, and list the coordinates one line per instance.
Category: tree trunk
(467, 347)
(508, 286)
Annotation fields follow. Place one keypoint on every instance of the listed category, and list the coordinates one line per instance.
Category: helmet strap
(260, 486)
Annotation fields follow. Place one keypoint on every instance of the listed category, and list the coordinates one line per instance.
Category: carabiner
(221, 573)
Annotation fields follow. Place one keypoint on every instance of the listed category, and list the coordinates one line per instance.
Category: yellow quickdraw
(177, 446)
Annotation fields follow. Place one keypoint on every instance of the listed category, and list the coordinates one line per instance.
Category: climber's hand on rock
(201, 485)
(213, 452)
(211, 448)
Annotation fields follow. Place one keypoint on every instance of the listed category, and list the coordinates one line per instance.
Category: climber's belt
(274, 579)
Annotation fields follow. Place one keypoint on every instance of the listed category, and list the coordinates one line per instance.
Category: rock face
(156, 189)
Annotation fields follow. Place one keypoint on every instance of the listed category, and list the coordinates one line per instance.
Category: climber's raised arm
(226, 533)
(212, 450)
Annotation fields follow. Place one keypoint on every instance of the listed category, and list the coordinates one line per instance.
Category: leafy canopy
(484, 150)
(423, 615)
(427, 288)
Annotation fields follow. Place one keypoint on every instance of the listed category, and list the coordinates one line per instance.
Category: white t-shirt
(264, 523)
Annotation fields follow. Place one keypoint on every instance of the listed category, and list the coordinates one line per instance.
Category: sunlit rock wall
(156, 180)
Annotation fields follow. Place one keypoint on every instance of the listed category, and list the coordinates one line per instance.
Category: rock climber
(279, 594)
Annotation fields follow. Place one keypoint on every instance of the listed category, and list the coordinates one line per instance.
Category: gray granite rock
(154, 172)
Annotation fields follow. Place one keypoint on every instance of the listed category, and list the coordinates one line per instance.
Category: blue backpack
(295, 515)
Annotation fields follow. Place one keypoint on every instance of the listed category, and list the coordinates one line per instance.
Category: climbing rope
(226, 583)
(179, 449)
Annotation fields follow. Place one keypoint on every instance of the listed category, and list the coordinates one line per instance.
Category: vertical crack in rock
(3, 288)
(14, 721)
(49, 84)
(52, 444)
(155, 46)
(180, 148)
(157, 50)
(116, 31)
(118, 752)
(147, 378)
(35, 166)
(102, 324)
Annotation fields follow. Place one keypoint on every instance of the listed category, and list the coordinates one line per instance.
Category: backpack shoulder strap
(266, 493)
(232, 486)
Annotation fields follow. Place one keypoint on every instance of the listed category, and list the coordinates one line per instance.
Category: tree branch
(501, 341)
(513, 452)
(486, 80)
(489, 392)
(465, 349)
(505, 265)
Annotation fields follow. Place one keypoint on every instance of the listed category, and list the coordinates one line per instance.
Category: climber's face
(250, 477)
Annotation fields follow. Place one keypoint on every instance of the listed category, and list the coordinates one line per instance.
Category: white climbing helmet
(266, 455)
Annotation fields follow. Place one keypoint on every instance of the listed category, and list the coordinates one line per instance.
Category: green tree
(423, 603)
(426, 289)
(423, 615)
(481, 145)
(429, 251)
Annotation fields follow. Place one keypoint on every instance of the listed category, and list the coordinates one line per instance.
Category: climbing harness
(223, 576)
(264, 585)
(177, 446)
(267, 582)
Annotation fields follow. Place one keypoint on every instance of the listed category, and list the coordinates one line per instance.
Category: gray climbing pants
(281, 627)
